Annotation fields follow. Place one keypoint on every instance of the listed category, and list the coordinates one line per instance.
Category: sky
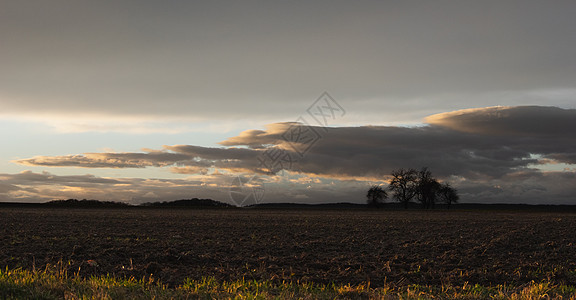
(301, 101)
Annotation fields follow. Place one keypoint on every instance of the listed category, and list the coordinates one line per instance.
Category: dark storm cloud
(530, 121)
(546, 131)
(376, 150)
(465, 143)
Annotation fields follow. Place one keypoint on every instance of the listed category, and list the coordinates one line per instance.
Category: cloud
(484, 142)
(212, 153)
(260, 138)
(47, 178)
(482, 146)
(528, 186)
(545, 131)
(81, 122)
(41, 187)
(384, 59)
(178, 155)
(107, 160)
(29, 186)
(5, 188)
(527, 121)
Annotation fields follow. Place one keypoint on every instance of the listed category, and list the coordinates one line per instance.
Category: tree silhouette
(376, 196)
(408, 184)
(403, 185)
(427, 188)
(448, 194)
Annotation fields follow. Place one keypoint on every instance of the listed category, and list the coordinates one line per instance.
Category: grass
(55, 283)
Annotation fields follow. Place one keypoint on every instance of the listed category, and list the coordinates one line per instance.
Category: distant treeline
(86, 203)
(208, 203)
(195, 202)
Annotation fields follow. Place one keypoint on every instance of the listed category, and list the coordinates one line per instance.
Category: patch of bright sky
(552, 167)
(29, 139)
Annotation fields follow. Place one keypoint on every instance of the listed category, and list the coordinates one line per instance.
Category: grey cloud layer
(223, 59)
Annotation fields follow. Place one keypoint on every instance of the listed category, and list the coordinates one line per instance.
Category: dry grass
(56, 283)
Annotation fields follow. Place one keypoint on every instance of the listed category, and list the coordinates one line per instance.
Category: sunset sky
(141, 101)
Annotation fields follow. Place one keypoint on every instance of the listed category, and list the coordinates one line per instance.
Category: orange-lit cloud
(528, 121)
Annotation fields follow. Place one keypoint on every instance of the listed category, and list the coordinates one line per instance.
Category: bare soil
(393, 247)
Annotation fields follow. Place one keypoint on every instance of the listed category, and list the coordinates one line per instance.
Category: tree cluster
(408, 185)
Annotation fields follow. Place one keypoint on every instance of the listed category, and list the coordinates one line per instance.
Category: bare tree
(376, 196)
(403, 185)
(448, 194)
(427, 188)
